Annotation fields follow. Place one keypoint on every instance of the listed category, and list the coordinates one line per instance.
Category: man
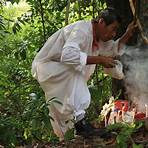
(66, 61)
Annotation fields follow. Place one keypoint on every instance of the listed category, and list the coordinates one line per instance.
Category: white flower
(107, 107)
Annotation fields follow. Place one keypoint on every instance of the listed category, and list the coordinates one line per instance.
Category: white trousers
(72, 91)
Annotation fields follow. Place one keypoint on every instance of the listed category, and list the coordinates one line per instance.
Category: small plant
(123, 132)
(38, 126)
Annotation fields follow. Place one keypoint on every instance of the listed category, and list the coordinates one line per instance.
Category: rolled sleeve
(83, 58)
(72, 52)
(73, 56)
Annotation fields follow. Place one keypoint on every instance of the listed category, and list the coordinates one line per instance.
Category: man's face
(107, 32)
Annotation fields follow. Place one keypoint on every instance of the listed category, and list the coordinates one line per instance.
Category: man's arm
(128, 34)
(107, 62)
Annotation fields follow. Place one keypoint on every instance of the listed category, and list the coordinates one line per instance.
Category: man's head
(107, 24)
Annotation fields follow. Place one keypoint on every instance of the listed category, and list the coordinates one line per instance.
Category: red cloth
(121, 105)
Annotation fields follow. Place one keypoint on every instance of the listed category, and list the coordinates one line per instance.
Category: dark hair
(109, 15)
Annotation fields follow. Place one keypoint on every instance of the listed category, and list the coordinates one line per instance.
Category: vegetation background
(25, 25)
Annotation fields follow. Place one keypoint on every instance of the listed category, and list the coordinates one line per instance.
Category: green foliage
(100, 89)
(58, 5)
(124, 132)
(8, 128)
(24, 27)
(33, 123)
(3, 30)
(37, 116)
(69, 135)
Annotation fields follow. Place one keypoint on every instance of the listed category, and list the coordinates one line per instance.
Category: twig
(67, 13)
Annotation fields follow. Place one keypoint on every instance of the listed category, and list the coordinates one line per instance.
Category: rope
(137, 21)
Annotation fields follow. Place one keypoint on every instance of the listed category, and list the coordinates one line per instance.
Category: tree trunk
(143, 16)
(123, 8)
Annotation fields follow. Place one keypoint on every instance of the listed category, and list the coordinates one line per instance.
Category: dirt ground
(140, 137)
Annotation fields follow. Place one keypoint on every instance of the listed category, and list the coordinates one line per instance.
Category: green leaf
(137, 146)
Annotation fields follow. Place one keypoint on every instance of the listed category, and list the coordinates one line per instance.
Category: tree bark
(143, 17)
(123, 8)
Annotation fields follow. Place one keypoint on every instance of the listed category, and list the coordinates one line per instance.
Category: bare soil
(139, 137)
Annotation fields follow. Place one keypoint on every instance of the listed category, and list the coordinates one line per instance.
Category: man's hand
(108, 62)
(131, 28)
(128, 34)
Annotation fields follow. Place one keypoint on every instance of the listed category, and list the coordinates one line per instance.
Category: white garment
(60, 68)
